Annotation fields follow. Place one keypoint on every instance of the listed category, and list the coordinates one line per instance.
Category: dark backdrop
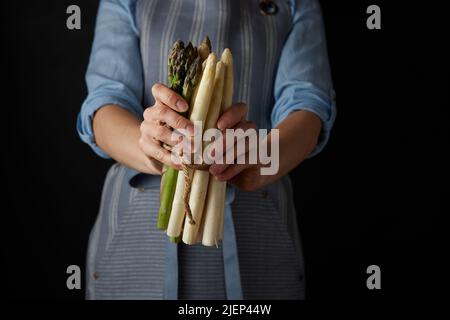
(374, 196)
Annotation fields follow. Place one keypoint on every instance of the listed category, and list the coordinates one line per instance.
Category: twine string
(187, 168)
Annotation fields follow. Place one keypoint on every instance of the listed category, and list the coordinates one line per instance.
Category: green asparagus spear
(175, 239)
(169, 175)
(176, 75)
(184, 68)
(168, 184)
(191, 79)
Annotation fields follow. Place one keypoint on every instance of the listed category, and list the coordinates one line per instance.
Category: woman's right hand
(159, 123)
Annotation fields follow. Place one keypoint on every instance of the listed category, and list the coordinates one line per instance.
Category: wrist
(150, 166)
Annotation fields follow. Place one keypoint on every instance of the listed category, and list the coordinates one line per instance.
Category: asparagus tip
(207, 42)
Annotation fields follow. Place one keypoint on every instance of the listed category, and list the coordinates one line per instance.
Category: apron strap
(171, 272)
(229, 251)
(230, 259)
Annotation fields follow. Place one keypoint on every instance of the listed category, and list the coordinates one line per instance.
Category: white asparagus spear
(196, 202)
(212, 205)
(215, 202)
(205, 90)
(200, 230)
(201, 178)
(199, 112)
(223, 193)
(216, 101)
(227, 60)
(177, 213)
(211, 120)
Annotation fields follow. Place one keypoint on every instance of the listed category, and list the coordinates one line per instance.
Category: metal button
(268, 8)
(96, 275)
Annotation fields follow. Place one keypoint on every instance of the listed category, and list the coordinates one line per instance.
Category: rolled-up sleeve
(114, 74)
(303, 79)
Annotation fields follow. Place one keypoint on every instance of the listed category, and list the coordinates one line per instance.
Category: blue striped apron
(260, 256)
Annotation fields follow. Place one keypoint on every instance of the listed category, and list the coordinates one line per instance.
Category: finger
(232, 116)
(160, 113)
(161, 133)
(250, 141)
(169, 97)
(217, 169)
(157, 152)
(232, 171)
(241, 156)
(229, 146)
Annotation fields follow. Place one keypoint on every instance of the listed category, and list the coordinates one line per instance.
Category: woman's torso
(255, 40)
(126, 251)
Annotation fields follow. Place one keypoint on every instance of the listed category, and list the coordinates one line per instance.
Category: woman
(282, 76)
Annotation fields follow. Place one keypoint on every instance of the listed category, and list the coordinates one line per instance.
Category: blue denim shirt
(302, 80)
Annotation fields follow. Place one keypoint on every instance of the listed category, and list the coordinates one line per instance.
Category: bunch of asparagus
(207, 85)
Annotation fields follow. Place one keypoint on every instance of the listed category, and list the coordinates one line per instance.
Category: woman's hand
(298, 135)
(159, 123)
(244, 176)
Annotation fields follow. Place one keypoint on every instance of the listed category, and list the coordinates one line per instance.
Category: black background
(374, 196)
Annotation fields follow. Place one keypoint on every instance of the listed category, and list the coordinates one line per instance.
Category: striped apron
(260, 256)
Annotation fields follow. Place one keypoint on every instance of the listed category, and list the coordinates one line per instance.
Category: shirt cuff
(313, 100)
(86, 115)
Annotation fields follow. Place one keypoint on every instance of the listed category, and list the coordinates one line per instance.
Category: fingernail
(182, 105)
(221, 125)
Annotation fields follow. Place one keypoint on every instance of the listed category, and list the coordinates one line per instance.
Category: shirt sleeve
(114, 74)
(303, 79)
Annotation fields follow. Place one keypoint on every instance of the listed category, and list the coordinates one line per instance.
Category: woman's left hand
(244, 176)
